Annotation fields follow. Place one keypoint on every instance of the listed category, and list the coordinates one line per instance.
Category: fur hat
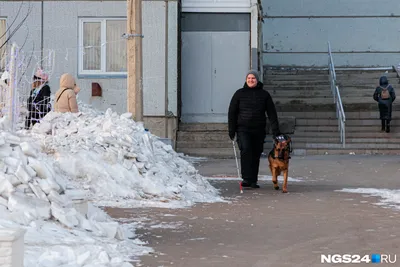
(41, 75)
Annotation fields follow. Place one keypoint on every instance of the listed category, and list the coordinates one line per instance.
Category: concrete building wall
(61, 34)
(361, 32)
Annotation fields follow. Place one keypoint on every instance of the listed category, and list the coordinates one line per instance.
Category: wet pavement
(264, 227)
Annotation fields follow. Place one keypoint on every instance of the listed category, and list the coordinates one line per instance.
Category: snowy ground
(105, 158)
(266, 228)
(386, 197)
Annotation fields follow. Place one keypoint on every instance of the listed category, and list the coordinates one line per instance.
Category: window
(102, 49)
(3, 35)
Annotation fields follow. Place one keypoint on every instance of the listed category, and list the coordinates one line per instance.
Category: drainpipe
(166, 71)
(41, 35)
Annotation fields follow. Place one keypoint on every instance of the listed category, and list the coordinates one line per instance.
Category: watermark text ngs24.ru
(356, 258)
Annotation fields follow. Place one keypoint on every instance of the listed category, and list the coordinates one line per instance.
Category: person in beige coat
(65, 99)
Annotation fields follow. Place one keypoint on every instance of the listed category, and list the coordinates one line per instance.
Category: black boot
(387, 126)
(245, 183)
(383, 125)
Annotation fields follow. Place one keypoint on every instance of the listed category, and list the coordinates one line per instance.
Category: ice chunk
(22, 174)
(6, 188)
(40, 168)
(109, 228)
(10, 138)
(39, 208)
(38, 191)
(23, 188)
(61, 200)
(11, 178)
(49, 184)
(77, 194)
(5, 151)
(66, 216)
(103, 257)
(13, 162)
(3, 202)
(83, 258)
(28, 149)
(17, 153)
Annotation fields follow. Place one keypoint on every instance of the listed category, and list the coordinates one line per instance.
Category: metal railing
(337, 99)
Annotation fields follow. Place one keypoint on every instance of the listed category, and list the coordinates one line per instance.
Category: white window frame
(103, 63)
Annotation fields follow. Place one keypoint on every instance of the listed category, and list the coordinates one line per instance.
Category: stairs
(362, 115)
(304, 94)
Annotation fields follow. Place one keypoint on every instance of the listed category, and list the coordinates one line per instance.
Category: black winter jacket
(247, 111)
(38, 105)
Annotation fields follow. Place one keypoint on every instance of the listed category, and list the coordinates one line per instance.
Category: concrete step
(376, 134)
(291, 71)
(300, 106)
(318, 100)
(369, 122)
(297, 82)
(363, 129)
(351, 107)
(316, 122)
(349, 122)
(346, 151)
(223, 141)
(340, 76)
(311, 94)
(270, 87)
(228, 152)
(203, 127)
(339, 70)
(202, 136)
(226, 143)
(374, 114)
(376, 146)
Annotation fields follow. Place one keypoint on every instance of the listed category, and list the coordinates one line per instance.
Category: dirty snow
(387, 197)
(47, 174)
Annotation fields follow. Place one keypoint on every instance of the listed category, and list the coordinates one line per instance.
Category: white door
(196, 78)
(230, 62)
(215, 58)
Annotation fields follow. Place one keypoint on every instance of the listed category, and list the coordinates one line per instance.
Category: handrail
(336, 98)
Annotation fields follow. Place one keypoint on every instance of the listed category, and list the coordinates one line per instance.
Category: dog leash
(237, 166)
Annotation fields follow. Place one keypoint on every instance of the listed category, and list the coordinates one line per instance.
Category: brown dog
(278, 160)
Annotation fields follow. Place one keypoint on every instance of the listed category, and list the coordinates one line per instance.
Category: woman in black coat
(38, 103)
(384, 94)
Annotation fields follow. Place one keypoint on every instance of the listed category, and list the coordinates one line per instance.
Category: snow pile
(36, 196)
(119, 163)
(390, 198)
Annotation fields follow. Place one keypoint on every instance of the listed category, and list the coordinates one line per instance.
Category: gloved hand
(276, 135)
(232, 135)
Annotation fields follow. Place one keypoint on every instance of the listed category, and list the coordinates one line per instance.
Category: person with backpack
(65, 99)
(384, 94)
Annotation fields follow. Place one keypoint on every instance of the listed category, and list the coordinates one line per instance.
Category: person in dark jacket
(247, 121)
(38, 103)
(384, 94)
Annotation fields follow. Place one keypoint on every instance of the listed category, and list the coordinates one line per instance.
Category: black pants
(386, 125)
(251, 146)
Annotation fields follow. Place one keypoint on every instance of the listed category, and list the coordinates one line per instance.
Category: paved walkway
(264, 227)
